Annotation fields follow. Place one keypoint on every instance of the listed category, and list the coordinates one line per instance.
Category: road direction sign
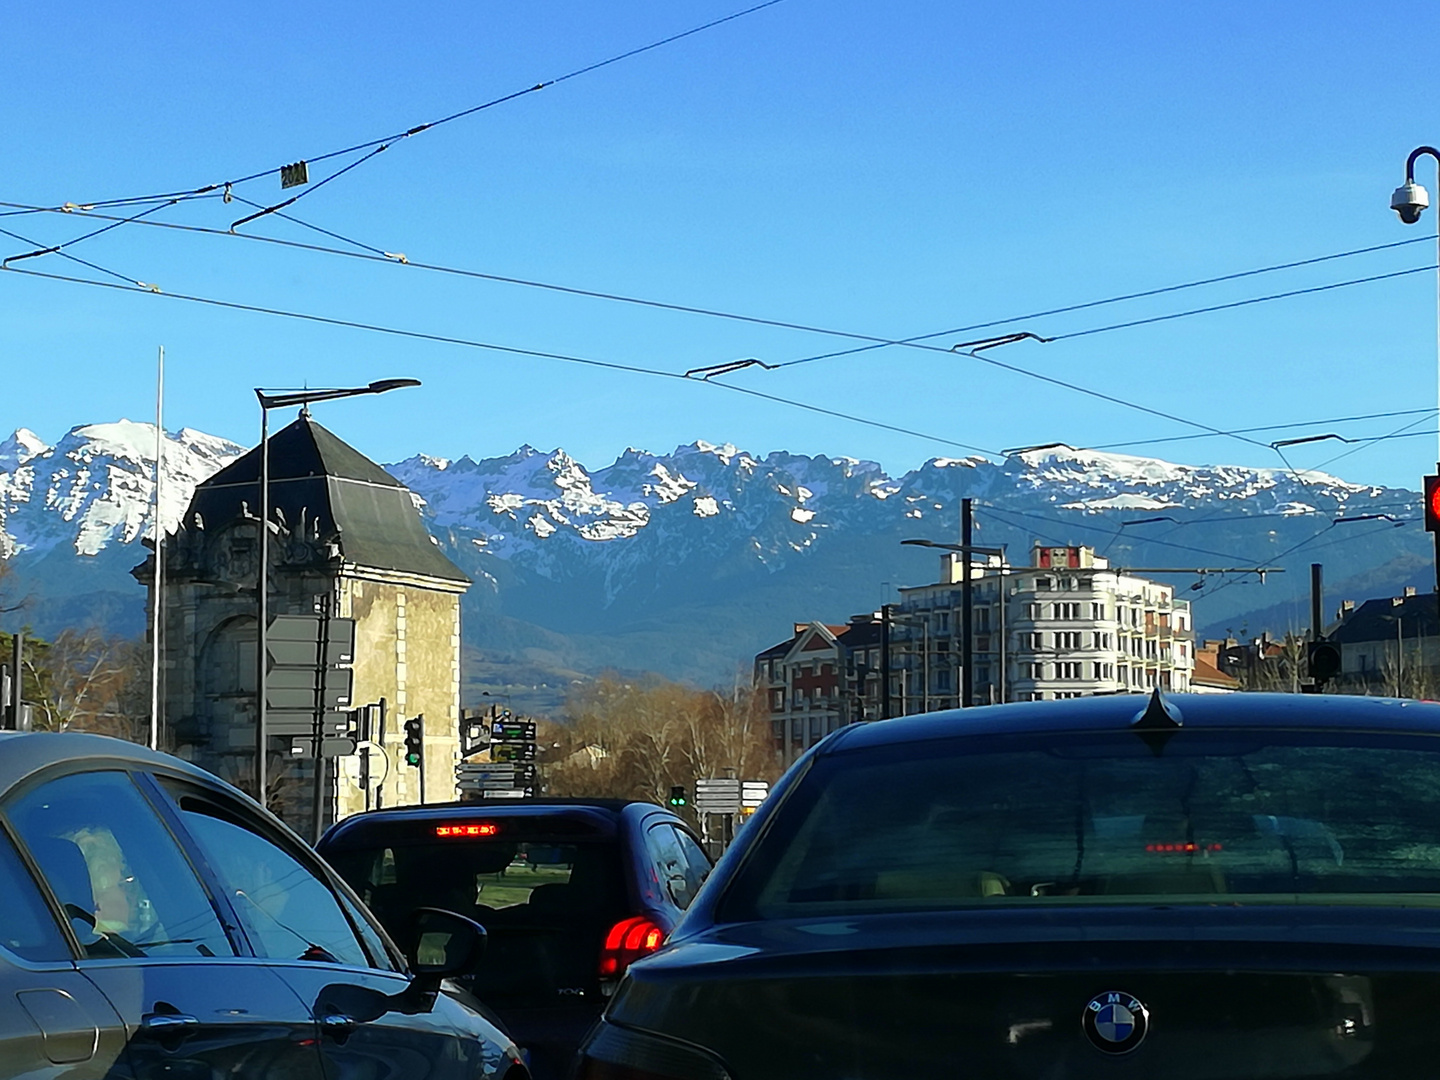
(329, 747)
(717, 796)
(296, 641)
(512, 752)
(297, 688)
(302, 722)
(753, 792)
(512, 731)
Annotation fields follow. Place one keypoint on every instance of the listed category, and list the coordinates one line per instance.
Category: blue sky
(892, 170)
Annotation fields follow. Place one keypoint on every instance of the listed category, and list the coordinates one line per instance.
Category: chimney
(1346, 607)
(1409, 590)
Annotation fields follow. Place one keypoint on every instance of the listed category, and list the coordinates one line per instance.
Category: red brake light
(1181, 849)
(627, 941)
(469, 828)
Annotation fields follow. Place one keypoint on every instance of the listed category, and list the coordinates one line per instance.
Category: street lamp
(1409, 201)
(280, 399)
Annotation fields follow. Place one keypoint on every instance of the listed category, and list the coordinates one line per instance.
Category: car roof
(1119, 712)
(24, 753)
(601, 814)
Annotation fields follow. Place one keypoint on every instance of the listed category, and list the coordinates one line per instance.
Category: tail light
(627, 941)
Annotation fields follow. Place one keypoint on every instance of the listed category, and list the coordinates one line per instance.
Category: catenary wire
(1267, 427)
(418, 128)
(1112, 300)
(76, 259)
(492, 347)
(1402, 432)
(375, 254)
(1241, 303)
(1096, 528)
(992, 361)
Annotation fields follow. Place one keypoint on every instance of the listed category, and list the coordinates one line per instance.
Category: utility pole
(1317, 618)
(884, 661)
(13, 707)
(967, 608)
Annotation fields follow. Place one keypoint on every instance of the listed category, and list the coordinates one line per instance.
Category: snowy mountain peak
(97, 485)
(19, 448)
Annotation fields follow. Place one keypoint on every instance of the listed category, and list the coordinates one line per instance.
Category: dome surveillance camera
(1409, 200)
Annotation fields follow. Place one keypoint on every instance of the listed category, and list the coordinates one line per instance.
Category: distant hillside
(688, 563)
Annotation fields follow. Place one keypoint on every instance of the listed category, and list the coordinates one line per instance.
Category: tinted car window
(546, 906)
(1101, 819)
(697, 863)
(27, 930)
(116, 870)
(671, 866)
(288, 912)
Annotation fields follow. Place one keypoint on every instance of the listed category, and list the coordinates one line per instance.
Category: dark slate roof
(335, 490)
(859, 635)
(1376, 620)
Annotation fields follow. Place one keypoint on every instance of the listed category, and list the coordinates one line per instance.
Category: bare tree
(86, 680)
(637, 739)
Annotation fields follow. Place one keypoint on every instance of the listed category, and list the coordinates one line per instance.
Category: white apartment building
(1068, 626)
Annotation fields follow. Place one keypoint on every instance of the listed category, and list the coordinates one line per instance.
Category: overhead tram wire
(446, 339)
(430, 125)
(973, 354)
(1266, 427)
(1242, 303)
(82, 262)
(376, 254)
(1067, 309)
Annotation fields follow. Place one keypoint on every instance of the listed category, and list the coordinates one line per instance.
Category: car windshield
(1101, 819)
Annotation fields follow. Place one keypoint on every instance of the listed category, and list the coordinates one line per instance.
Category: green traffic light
(412, 759)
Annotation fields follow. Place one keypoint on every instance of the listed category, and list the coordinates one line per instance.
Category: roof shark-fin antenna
(1158, 723)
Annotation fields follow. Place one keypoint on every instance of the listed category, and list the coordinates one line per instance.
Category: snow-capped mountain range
(688, 562)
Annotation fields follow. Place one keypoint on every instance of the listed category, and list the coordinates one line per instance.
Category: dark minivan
(570, 891)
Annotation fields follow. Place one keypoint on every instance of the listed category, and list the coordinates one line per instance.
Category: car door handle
(338, 1024)
(163, 1024)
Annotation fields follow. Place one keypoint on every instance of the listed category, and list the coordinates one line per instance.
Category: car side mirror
(444, 945)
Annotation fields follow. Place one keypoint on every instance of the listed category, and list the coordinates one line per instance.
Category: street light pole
(280, 399)
(1409, 201)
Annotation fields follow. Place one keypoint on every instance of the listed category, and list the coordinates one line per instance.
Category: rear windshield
(1103, 819)
(546, 906)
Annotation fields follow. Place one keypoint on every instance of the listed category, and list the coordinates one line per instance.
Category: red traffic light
(1432, 504)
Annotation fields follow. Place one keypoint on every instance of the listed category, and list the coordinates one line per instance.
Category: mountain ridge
(687, 563)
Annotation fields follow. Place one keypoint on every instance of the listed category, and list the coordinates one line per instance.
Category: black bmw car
(1228, 886)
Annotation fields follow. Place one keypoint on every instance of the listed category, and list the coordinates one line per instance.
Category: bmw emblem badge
(1116, 1022)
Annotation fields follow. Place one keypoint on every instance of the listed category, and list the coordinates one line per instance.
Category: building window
(1067, 669)
(1067, 611)
(942, 680)
(1034, 611)
(1068, 639)
(1032, 671)
(1032, 641)
(1097, 611)
(1043, 584)
(944, 621)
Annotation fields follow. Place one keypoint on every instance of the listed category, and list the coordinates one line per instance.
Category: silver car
(159, 923)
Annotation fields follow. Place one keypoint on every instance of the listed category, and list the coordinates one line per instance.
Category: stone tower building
(346, 534)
